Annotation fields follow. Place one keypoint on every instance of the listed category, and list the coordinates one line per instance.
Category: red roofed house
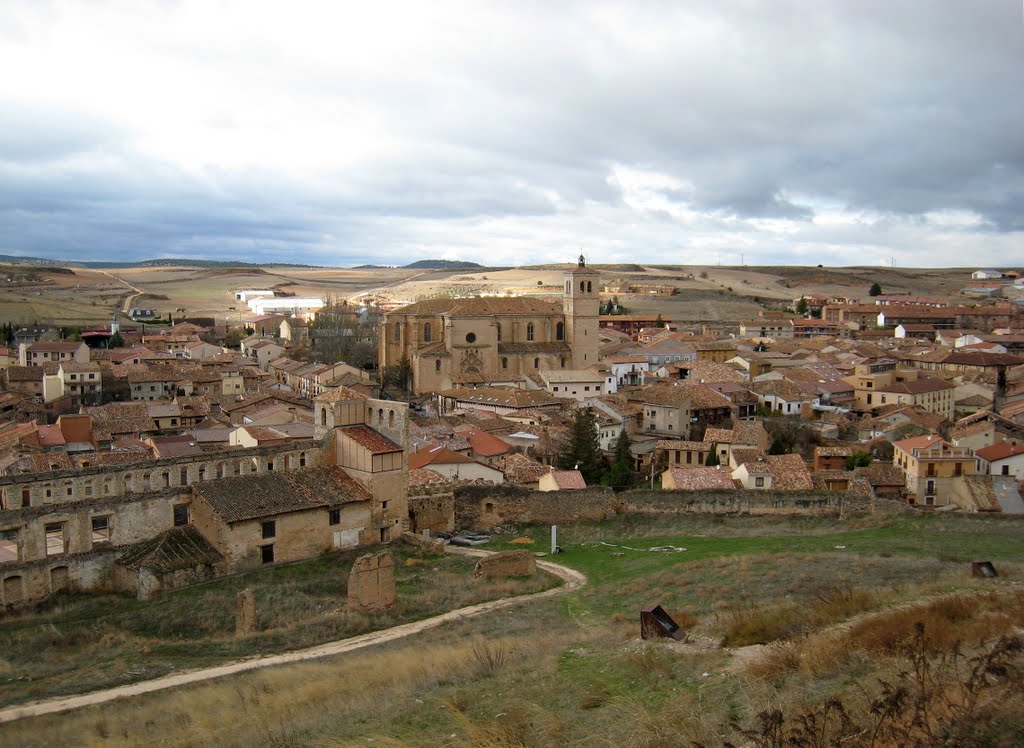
(561, 480)
(1002, 459)
(930, 464)
(453, 465)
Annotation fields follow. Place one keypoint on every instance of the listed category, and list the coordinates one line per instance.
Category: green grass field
(814, 612)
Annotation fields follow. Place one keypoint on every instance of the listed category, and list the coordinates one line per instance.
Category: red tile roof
(996, 452)
(372, 440)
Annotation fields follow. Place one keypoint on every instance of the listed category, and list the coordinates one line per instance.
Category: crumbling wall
(371, 583)
(432, 512)
(646, 501)
(483, 506)
(506, 564)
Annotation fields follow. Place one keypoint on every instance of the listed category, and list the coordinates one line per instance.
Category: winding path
(572, 578)
(136, 292)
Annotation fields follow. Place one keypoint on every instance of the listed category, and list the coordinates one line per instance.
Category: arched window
(202, 472)
(582, 285)
(398, 332)
(302, 459)
(437, 366)
(426, 332)
(529, 331)
(391, 419)
(560, 331)
(504, 362)
(536, 363)
(561, 362)
(128, 483)
(380, 416)
(146, 482)
(589, 289)
(323, 416)
(220, 469)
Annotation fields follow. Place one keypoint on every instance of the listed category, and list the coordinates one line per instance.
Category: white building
(261, 306)
(253, 293)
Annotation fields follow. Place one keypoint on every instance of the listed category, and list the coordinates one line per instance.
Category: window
(181, 515)
(536, 363)
(589, 288)
(561, 362)
(26, 497)
(334, 517)
(100, 531)
(184, 476)
(560, 331)
(958, 469)
(582, 285)
(302, 459)
(759, 482)
(56, 542)
(426, 332)
(929, 487)
(70, 489)
(437, 366)
(470, 337)
(8, 546)
(498, 326)
(269, 529)
(529, 331)
(504, 362)
(267, 553)
(398, 332)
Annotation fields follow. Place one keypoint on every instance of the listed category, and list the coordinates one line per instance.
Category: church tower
(581, 304)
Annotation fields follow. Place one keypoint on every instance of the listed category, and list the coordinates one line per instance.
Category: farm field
(791, 623)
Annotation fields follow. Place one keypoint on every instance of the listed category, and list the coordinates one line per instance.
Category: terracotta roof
(568, 480)
(484, 444)
(673, 444)
(833, 451)
(918, 442)
(981, 493)
(701, 478)
(789, 473)
(425, 477)
(177, 549)
(25, 374)
(268, 494)
(996, 452)
(506, 398)
(370, 439)
(436, 456)
(521, 469)
(980, 358)
(525, 347)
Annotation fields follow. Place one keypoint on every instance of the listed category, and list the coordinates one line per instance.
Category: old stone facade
(506, 564)
(452, 342)
(65, 529)
(371, 583)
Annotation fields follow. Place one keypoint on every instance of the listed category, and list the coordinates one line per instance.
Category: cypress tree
(622, 475)
(582, 449)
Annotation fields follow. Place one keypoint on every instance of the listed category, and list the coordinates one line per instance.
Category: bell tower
(581, 302)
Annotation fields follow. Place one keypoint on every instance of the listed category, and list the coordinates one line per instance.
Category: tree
(116, 340)
(233, 337)
(712, 458)
(621, 475)
(876, 289)
(858, 459)
(581, 450)
(802, 307)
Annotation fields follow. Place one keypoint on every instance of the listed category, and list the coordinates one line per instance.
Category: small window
(426, 333)
(100, 531)
(437, 366)
(8, 546)
(498, 326)
(26, 497)
(759, 482)
(181, 515)
(269, 529)
(560, 331)
(334, 517)
(470, 337)
(267, 553)
(529, 331)
(56, 542)
(536, 363)
(504, 362)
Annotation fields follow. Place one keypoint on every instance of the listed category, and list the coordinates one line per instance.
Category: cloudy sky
(694, 131)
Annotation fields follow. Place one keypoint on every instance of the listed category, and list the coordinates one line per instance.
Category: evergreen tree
(712, 458)
(801, 307)
(875, 290)
(858, 459)
(116, 340)
(621, 475)
(582, 449)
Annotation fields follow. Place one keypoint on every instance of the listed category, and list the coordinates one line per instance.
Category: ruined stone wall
(645, 501)
(25, 582)
(483, 506)
(506, 564)
(102, 481)
(432, 512)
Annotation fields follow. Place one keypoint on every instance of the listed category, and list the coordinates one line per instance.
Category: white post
(554, 539)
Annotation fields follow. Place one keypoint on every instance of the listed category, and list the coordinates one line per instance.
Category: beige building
(879, 383)
(451, 342)
(930, 468)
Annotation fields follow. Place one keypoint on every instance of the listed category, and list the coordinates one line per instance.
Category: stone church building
(495, 340)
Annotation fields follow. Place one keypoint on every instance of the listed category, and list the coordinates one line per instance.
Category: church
(495, 340)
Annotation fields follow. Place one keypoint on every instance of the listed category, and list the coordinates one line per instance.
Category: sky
(791, 132)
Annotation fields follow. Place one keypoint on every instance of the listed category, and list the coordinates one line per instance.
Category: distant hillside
(160, 262)
(443, 265)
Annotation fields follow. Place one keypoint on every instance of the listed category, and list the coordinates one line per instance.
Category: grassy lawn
(831, 601)
(79, 643)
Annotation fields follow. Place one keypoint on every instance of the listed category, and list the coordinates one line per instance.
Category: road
(572, 578)
(137, 292)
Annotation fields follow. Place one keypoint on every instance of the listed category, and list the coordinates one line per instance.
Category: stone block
(371, 583)
(245, 618)
(431, 545)
(506, 564)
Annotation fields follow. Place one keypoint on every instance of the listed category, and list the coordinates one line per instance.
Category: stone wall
(371, 583)
(506, 564)
(484, 506)
(37, 580)
(104, 481)
(432, 512)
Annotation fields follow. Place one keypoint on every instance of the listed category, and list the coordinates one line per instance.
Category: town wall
(432, 511)
(480, 507)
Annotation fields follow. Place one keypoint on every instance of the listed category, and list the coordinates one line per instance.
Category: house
(743, 435)
(281, 516)
(930, 464)
(682, 409)
(677, 453)
(521, 470)
(561, 480)
(37, 354)
(454, 466)
(831, 458)
(485, 447)
(782, 397)
(628, 370)
(697, 479)
(987, 274)
(83, 383)
(295, 330)
(575, 384)
(503, 401)
(1002, 459)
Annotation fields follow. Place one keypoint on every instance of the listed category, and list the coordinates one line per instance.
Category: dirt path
(128, 301)
(572, 578)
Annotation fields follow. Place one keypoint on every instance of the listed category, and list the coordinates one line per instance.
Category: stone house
(1002, 459)
(930, 465)
(37, 354)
